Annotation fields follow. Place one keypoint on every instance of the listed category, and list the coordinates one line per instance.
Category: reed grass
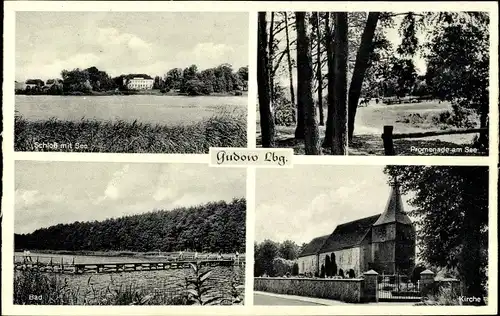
(225, 128)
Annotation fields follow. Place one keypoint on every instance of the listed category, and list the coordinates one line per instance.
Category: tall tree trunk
(271, 58)
(362, 58)
(300, 129)
(341, 54)
(318, 73)
(304, 87)
(292, 94)
(328, 141)
(266, 115)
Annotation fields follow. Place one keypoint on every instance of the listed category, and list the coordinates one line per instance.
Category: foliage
(196, 87)
(282, 267)
(197, 286)
(328, 266)
(289, 250)
(86, 80)
(415, 274)
(212, 227)
(223, 129)
(220, 79)
(267, 251)
(284, 110)
(451, 207)
(333, 265)
(295, 269)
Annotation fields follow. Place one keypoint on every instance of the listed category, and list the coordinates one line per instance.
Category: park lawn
(369, 125)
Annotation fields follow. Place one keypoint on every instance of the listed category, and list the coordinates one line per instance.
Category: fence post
(371, 286)
(426, 281)
(388, 142)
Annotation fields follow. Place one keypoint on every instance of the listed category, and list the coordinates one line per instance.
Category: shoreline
(129, 93)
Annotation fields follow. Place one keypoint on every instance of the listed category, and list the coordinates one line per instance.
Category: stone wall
(347, 290)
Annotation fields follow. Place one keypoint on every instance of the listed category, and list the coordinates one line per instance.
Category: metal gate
(398, 288)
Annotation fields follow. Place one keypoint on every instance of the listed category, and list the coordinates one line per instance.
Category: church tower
(393, 237)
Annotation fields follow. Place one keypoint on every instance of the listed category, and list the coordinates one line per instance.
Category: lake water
(165, 110)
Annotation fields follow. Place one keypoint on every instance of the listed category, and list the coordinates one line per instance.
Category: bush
(284, 113)
(197, 87)
(282, 266)
(295, 269)
(415, 274)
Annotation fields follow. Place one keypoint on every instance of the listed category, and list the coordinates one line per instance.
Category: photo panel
(395, 235)
(128, 234)
(407, 83)
(130, 82)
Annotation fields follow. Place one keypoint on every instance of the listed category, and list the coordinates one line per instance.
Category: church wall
(308, 264)
(346, 259)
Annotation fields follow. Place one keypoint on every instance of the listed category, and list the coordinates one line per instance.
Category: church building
(383, 242)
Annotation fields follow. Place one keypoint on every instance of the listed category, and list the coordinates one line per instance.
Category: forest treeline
(212, 227)
(191, 80)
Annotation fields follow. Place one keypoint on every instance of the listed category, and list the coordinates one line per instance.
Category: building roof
(394, 211)
(313, 247)
(349, 235)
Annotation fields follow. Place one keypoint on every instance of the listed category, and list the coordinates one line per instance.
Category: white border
(251, 7)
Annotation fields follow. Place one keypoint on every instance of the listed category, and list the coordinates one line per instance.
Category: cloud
(206, 55)
(112, 190)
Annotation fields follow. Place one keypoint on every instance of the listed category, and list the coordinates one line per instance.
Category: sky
(49, 193)
(305, 202)
(127, 42)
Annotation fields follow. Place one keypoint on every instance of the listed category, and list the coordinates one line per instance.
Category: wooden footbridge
(59, 266)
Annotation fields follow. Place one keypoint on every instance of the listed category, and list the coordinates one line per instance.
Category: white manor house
(138, 82)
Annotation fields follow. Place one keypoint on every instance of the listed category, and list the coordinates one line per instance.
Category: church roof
(349, 235)
(394, 211)
(313, 247)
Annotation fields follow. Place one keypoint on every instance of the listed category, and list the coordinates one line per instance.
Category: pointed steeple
(394, 211)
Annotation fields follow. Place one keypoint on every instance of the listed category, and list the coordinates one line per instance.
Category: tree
(319, 75)
(460, 49)
(243, 75)
(361, 64)
(304, 87)
(264, 256)
(76, 80)
(333, 266)
(340, 85)
(330, 116)
(289, 250)
(328, 266)
(289, 59)
(266, 115)
(173, 79)
(451, 207)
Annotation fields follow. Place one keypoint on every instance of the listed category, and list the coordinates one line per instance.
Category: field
(163, 287)
(137, 123)
(406, 118)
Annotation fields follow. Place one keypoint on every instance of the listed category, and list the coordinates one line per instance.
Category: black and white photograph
(393, 235)
(374, 83)
(130, 82)
(128, 234)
